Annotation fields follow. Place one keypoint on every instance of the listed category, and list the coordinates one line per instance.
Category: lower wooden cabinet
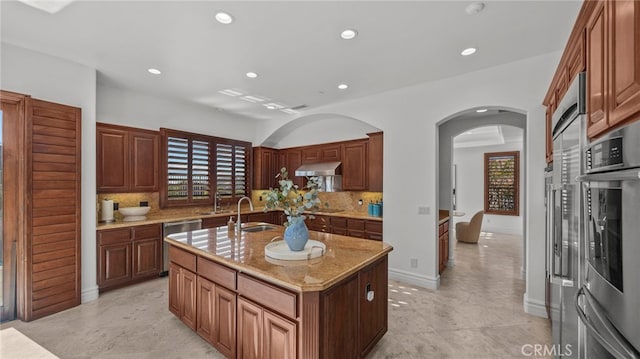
(262, 334)
(279, 337)
(182, 294)
(128, 255)
(443, 231)
(216, 316)
(373, 316)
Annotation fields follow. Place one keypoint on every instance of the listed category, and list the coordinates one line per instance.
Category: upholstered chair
(469, 232)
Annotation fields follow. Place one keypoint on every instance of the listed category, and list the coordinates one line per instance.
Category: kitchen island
(247, 305)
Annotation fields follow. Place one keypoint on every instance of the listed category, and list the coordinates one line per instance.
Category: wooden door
(188, 298)
(205, 307)
(115, 264)
(147, 257)
(113, 156)
(373, 316)
(624, 64)
(53, 208)
(250, 323)
(224, 338)
(354, 168)
(145, 157)
(279, 337)
(597, 72)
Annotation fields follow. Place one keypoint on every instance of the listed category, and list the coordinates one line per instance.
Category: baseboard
(534, 307)
(415, 279)
(451, 262)
(89, 294)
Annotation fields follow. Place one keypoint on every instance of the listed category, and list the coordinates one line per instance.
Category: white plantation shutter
(200, 164)
(241, 174)
(224, 170)
(232, 170)
(177, 169)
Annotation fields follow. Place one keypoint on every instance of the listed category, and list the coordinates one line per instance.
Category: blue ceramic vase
(296, 234)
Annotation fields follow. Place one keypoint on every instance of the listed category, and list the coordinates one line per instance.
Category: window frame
(516, 183)
(212, 142)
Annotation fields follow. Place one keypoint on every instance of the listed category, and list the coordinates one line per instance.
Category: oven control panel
(604, 155)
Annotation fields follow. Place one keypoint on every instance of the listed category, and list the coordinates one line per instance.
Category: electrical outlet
(424, 210)
(116, 205)
(260, 198)
(414, 262)
(144, 204)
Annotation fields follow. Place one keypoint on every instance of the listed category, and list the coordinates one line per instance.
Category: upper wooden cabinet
(265, 168)
(596, 71)
(375, 161)
(354, 166)
(127, 159)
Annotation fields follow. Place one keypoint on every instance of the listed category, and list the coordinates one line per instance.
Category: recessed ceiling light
(474, 8)
(224, 18)
(349, 34)
(252, 75)
(468, 51)
(343, 86)
(481, 110)
(154, 71)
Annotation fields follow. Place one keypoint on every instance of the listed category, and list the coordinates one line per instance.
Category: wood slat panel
(52, 238)
(59, 228)
(56, 149)
(54, 299)
(57, 132)
(48, 274)
(49, 113)
(42, 312)
(45, 157)
(54, 122)
(53, 255)
(53, 176)
(69, 285)
(53, 185)
(53, 264)
(52, 282)
(54, 193)
(53, 167)
(52, 202)
(54, 140)
(53, 211)
(50, 220)
(53, 246)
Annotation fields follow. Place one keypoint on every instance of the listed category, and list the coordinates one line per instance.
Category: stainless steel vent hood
(329, 174)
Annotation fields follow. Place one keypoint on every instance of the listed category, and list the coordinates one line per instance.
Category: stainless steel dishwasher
(171, 228)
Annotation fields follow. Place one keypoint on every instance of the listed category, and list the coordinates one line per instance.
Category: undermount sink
(220, 211)
(258, 228)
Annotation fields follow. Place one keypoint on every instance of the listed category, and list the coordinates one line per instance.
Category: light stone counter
(245, 253)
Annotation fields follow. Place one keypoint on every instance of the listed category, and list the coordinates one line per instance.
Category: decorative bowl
(134, 213)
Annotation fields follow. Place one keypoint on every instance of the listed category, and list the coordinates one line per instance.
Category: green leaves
(291, 199)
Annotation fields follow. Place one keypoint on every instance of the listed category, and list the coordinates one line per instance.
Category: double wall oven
(608, 303)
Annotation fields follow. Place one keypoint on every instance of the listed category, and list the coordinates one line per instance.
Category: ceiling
(294, 46)
(494, 135)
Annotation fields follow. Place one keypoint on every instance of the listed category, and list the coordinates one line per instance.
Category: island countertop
(245, 253)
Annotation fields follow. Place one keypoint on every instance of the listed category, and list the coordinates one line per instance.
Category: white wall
(470, 189)
(57, 80)
(408, 117)
(131, 108)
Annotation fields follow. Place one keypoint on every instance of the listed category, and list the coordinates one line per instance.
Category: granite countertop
(245, 253)
(443, 216)
(162, 218)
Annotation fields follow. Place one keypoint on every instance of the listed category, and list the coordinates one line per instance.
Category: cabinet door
(265, 165)
(354, 169)
(441, 253)
(294, 160)
(147, 257)
(624, 64)
(331, 153)
(375, 162)
(548, 136)
(373, 316)
(279, 337)
(188, 300)
(225, 322)
(205, 308)
(145, 157)
(112, 150)
(596, 72)
(311, 154)
(213, 222)
(250, 322)
(174, 289)
(260, 217)
(115, 264)
(340, 320)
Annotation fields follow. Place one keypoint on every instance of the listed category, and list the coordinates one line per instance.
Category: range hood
(328, 173)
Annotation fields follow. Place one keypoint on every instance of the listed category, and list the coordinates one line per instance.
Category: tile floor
(477, 313)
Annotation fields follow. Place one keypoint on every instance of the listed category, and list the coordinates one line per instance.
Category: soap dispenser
(231, 225)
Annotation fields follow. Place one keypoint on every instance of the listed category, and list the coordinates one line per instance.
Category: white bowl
(134, 213)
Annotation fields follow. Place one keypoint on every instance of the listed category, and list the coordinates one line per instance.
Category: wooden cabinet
(443, 235)
(213, 222)
(216, 316)
(373, 318)
(354, 166)
(250, 326)
(263, 334)
(265, 168)
(375, 161)
(293, 160)
(320, 223)
(128, 255)
(340, 315)
(373, 230)
(127, 159)
(182, 294)
(266, 217)
(597, 113)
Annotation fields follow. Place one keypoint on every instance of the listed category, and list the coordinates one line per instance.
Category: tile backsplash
(347, 200)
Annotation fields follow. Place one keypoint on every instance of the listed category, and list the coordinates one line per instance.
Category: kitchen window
(196, 166)
(501, 179)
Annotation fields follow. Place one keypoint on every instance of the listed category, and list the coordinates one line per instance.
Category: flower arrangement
(294, 201)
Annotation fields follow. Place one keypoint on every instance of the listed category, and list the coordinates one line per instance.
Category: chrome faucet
(238, 228)
(216, 201)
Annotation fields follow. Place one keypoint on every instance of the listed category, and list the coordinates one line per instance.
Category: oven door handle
(624, 175)
(611, 340)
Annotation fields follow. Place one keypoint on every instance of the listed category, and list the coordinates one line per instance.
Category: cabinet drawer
(144, 232)
(114, 236)
(338, 222)
(373, 227)
(182, 258)
(217, 273)
(267, 295)
(355, 224)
